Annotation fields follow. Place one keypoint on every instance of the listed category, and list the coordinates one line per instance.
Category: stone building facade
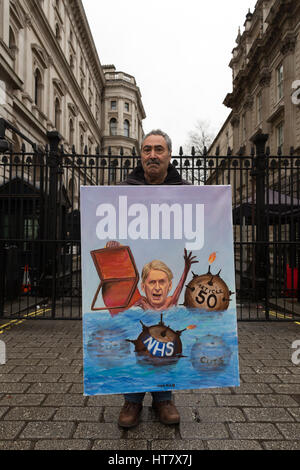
(123, 112)
(51, 78)
(265, 100)
(223, 140)
(265, 68)
(221, 145)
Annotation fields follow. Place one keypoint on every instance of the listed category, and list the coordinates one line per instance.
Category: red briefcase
(119, 278)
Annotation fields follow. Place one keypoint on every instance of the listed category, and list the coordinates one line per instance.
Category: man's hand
(188, 259)
(112, 244)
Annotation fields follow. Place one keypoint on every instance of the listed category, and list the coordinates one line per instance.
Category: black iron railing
(40, 224)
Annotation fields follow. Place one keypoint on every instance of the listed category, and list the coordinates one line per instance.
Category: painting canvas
(158, 289)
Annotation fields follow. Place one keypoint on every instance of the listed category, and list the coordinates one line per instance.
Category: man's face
(156, 287)
(155, 158)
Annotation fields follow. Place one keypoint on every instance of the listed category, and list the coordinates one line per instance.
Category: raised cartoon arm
(188, 261)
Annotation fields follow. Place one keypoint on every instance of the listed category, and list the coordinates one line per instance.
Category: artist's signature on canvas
(166, 385)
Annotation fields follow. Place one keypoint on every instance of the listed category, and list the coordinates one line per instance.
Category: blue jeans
(157, 396)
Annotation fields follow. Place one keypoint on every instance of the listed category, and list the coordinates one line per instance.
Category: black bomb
(159, 343)
(208, 292)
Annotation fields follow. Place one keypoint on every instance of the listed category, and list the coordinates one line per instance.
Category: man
(157, 283)
(156, 169)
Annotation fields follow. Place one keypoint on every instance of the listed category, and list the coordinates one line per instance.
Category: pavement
(42, 406)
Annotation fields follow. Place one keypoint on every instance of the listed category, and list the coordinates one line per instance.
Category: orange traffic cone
(26, 285)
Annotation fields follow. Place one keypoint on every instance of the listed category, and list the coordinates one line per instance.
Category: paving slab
(46, 430)
(281, 445)
(219, 415)
(63, 444)
(42, 406)
(233, 444)
(121, 444)
(16, 445)
(203, 430)
(183, 444)
(98, 430)
(254, 431)
(30, 413)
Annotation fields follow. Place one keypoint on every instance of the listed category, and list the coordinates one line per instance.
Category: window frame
(113, 129)
(38, 85)
(280, 135)
(279, 81)
(126, 128)
(71, 131)
(259, 107)
(57, 113)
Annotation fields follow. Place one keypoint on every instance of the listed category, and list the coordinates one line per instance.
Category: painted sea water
(209, 356)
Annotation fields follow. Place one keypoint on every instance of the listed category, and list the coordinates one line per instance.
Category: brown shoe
(129, 414)
(167, 412)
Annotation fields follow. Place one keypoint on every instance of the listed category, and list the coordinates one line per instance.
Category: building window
(81, 144)
(31, 231)
(126, 107)
(113, 126)
(259, 107)
(57, 112)
(38, 88)
(71, 61)
(16, 143)
(244, 127)
(280, 136)
(6, 224)
(57, 32)
(113, 105)
(125, 173)
(112, 173)
(12, 45)
(31, 228)
(71, 132)
(280, 82)
(126, 128)
(71, 188)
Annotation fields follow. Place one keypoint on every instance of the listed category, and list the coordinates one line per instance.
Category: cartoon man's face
(156, 287)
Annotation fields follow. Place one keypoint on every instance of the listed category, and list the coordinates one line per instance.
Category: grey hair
(162, 134)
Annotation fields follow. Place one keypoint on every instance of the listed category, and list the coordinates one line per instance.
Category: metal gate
(40, 252)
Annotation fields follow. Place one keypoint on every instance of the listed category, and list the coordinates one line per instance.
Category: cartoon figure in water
(157, 282)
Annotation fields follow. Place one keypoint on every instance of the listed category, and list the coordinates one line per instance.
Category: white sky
(178, 53)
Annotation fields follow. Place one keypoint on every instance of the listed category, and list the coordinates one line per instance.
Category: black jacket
(137, 177)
